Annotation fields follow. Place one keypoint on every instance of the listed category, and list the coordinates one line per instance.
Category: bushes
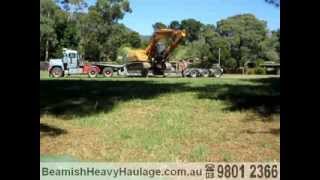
(257, 71)
(260, 71)
(251, 71)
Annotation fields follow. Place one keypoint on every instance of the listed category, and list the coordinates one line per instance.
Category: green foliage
(48, 38)
(144, 43)
(100, 31)
(159, 25)
(95, 33)
(230, 63)
(276, 3)
(240, 38)
(243, 33)
(259, 62)
(251, 71)
(260, 71)
(270, 47)
(192, 27)
(195, 50)
(276, 36)
(134, 39)
(72, 4)
(98, 36)
(175, 25)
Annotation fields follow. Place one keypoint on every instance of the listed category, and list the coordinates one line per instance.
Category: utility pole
(219, 56)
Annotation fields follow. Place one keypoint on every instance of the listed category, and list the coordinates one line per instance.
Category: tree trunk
(47, 46)
(46, 51)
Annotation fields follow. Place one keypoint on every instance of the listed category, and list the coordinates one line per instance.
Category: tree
(216, 42)
(175, 25)
(96, 33)
(76, 5)
(193, 28)
(48, 10)
(243, 33)
(159, 25)
(71, 36)
(276, 35)
(144, 43)
(269, 47)
(134, 39)
(101, 35)
(273, 2)
(112, 10)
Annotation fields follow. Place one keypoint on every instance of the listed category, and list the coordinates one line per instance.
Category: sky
(146, 12)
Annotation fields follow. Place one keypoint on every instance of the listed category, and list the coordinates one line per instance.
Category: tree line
(240, 38)
(96, 33)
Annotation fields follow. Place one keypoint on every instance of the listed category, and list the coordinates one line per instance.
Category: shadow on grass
(274, 131)
(47, 130)
(66, 98)
(261, 96)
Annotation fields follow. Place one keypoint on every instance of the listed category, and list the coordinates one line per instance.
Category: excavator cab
(160, 49)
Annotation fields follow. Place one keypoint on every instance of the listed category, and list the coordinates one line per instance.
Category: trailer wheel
(93, 73)
(56, 72)
(107, 72)
(194, 73)
(205, 73)
(144, 73)
(217, 73)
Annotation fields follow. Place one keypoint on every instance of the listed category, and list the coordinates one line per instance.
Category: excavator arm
(153, 55)
(174, 35)
(150, 52)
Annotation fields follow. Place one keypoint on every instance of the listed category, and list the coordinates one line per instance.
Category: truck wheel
(194, 73)
(56, 72)
(93, 73)
(107, 72)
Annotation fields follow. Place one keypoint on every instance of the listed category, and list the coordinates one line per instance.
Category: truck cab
(69, 64)
(71, 59)
(72, 62)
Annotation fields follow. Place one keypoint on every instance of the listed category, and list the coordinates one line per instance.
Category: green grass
(235, 118)
(44, 74)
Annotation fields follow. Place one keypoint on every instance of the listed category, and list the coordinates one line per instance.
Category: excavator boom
(150, 52)
(174, 35)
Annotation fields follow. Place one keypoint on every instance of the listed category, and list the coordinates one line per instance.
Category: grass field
(234, 118)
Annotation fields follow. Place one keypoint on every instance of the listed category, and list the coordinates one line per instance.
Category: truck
(71, 64)
(141, 62)
(153, 60)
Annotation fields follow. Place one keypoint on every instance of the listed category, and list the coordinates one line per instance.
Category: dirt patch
(82, 143)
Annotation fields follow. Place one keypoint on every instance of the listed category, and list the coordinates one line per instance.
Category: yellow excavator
(155, 56)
